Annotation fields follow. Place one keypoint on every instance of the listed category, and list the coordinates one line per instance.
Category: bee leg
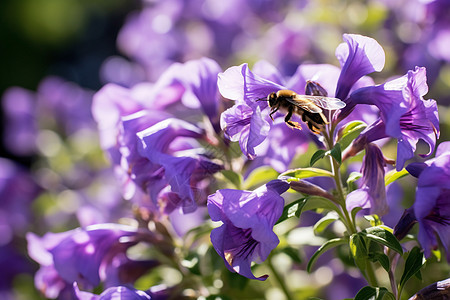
(288, 121)
(274, 110)
(313, 128)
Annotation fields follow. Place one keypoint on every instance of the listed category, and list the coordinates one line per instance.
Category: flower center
(244, 249)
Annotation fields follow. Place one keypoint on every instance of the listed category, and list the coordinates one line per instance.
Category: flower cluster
(155, 152)
(200, 171)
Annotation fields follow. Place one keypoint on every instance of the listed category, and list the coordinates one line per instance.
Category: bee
(309, 107)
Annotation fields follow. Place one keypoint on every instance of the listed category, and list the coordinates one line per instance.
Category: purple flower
(360, 56)
(50, 284)
(247, 126)
(200, 79)
(118, 70)
(171, 169)
(153, 30)
(12, 263)
(117, 292)
(21, 126)
(191, 85)
(177, 30)
(158, 292)
(111, 104)
(372, 193)
(136, 172)
(432, 205)
(47, 280)
(245, 121)
(248, 218)
(66, 102)
(280, 147)
(55, 104)
(439, 21)
(87, 256)
(405, 115)
(394, 197)
(17, 192)
(248, 121)
(428, 45)
(184, 168)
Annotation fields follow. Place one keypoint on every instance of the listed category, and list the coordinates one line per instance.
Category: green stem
(371, 278)
(340, 189)
(280, 280)
(335, 170)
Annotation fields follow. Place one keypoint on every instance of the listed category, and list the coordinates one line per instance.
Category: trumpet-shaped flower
(248, 121)
(372, 193)
(87, 256)
(248, 218)
(168, 170)
(432, 205)
(405, 115)
(182, 166)
(116, 292)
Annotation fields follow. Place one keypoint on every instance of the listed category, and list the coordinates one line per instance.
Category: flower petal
(360, 56)
(240, 84)
(248, 218)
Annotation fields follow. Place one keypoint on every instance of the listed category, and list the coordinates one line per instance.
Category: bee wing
(305, 103)
(321, 101)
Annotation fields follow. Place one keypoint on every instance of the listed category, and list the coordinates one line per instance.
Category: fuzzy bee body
(307, 106)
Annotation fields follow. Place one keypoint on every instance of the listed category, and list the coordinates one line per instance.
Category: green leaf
(336, 153)
(325, 247)
(302, 173)
(393, 175)
(293, 209)
(358, 250)
(316, 202)
(233, 177)
(374, 293)
(413, 264)
(386, 228)
(351, 179)
(383, 236)
(319, 154)
(325, 221)
(382, 258)
(418, 275)
(354, 212)
(350, 132)
(259, 177)
(374, 220)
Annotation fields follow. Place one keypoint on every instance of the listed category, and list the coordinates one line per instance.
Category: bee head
(272, 97)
